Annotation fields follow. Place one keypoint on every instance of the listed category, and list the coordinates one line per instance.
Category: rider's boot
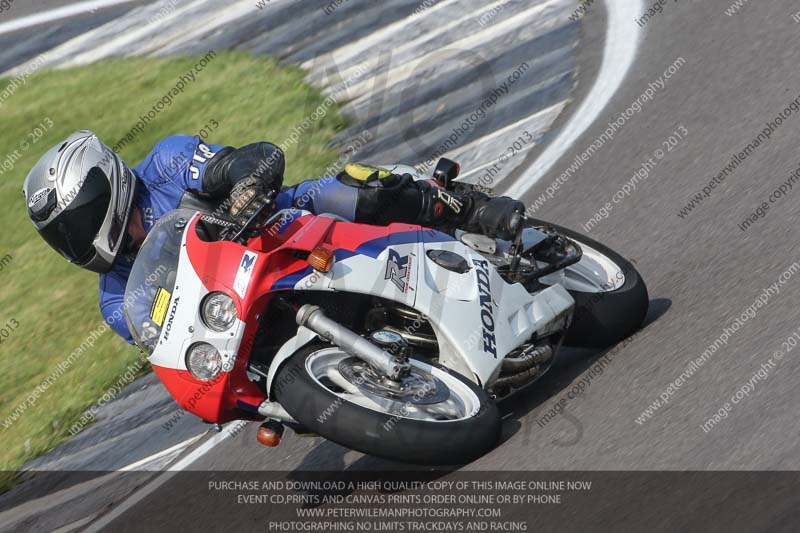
(382, 197)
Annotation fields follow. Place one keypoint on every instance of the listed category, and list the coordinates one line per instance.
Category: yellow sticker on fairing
(160, 306)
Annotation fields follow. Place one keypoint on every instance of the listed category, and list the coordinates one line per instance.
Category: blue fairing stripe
(374, 247)
(371, 248)
(287, 283)
(246, 406)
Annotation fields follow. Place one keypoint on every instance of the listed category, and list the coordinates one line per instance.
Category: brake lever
(517, 246)
(238, 236)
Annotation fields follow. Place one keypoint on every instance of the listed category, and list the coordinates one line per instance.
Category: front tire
(317, 394)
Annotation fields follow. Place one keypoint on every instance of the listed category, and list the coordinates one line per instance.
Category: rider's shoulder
(173, 155)
(181, 147)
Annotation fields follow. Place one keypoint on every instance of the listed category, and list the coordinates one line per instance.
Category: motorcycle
(395, 341)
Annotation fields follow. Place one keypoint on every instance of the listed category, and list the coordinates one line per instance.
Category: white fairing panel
(393, 275)
(184, 326)
(477, 316)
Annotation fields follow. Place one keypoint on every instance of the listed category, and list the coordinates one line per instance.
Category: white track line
(157, 457)
(58, 14)
(622, 42)
(49, 502)
(151, 487)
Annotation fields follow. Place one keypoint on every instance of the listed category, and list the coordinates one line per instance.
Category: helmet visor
(72, 233)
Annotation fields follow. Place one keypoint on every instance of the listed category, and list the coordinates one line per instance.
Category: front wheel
(611, 298)
(433, 416)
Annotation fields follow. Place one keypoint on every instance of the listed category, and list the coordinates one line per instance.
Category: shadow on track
(570, 364)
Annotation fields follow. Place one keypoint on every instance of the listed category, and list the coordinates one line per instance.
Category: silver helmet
(80, 197)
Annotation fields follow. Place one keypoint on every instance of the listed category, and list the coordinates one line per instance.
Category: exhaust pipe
(523, 368)
(517, 380)
(528, 358)
(312, 317)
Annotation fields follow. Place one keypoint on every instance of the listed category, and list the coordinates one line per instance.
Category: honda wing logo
(248, 262)
(245, 272)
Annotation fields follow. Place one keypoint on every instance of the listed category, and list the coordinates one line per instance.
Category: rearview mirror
(446, 172)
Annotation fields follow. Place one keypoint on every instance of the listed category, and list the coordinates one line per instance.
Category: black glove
(500, 217)
(263, 161)
(247, 197)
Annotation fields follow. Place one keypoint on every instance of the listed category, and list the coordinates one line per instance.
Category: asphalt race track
(728, 76)
(26, 44)
(702, 271)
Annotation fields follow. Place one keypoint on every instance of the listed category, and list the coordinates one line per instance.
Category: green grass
(56, 304)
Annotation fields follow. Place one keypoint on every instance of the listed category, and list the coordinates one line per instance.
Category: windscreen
(152, 280)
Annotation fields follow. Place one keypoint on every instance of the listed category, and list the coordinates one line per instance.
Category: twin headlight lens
(218, 312)
(204, 361)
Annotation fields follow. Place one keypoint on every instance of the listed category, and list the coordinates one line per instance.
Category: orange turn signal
(321, 259)
(268, 437)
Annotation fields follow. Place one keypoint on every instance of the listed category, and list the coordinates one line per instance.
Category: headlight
(218, 312)
(204, 361)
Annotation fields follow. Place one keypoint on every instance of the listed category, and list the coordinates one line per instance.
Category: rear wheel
(611, 298)
(433, 416)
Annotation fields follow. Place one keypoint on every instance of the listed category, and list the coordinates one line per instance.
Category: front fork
(312, 317)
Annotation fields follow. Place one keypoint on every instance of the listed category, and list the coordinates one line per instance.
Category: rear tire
(379, 433)
(603, 319)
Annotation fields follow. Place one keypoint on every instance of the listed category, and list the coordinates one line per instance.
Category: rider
(96, 211)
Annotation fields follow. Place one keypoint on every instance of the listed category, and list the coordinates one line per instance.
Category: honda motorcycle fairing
(486, 317)
(163, 304)
(396, 341)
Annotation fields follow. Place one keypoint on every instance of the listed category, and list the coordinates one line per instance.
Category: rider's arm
(324, 195)
(112, 300)
(402, 199)
(263, 161)
(395, 199)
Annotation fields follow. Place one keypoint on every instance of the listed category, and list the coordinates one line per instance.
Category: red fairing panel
(251, 275)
